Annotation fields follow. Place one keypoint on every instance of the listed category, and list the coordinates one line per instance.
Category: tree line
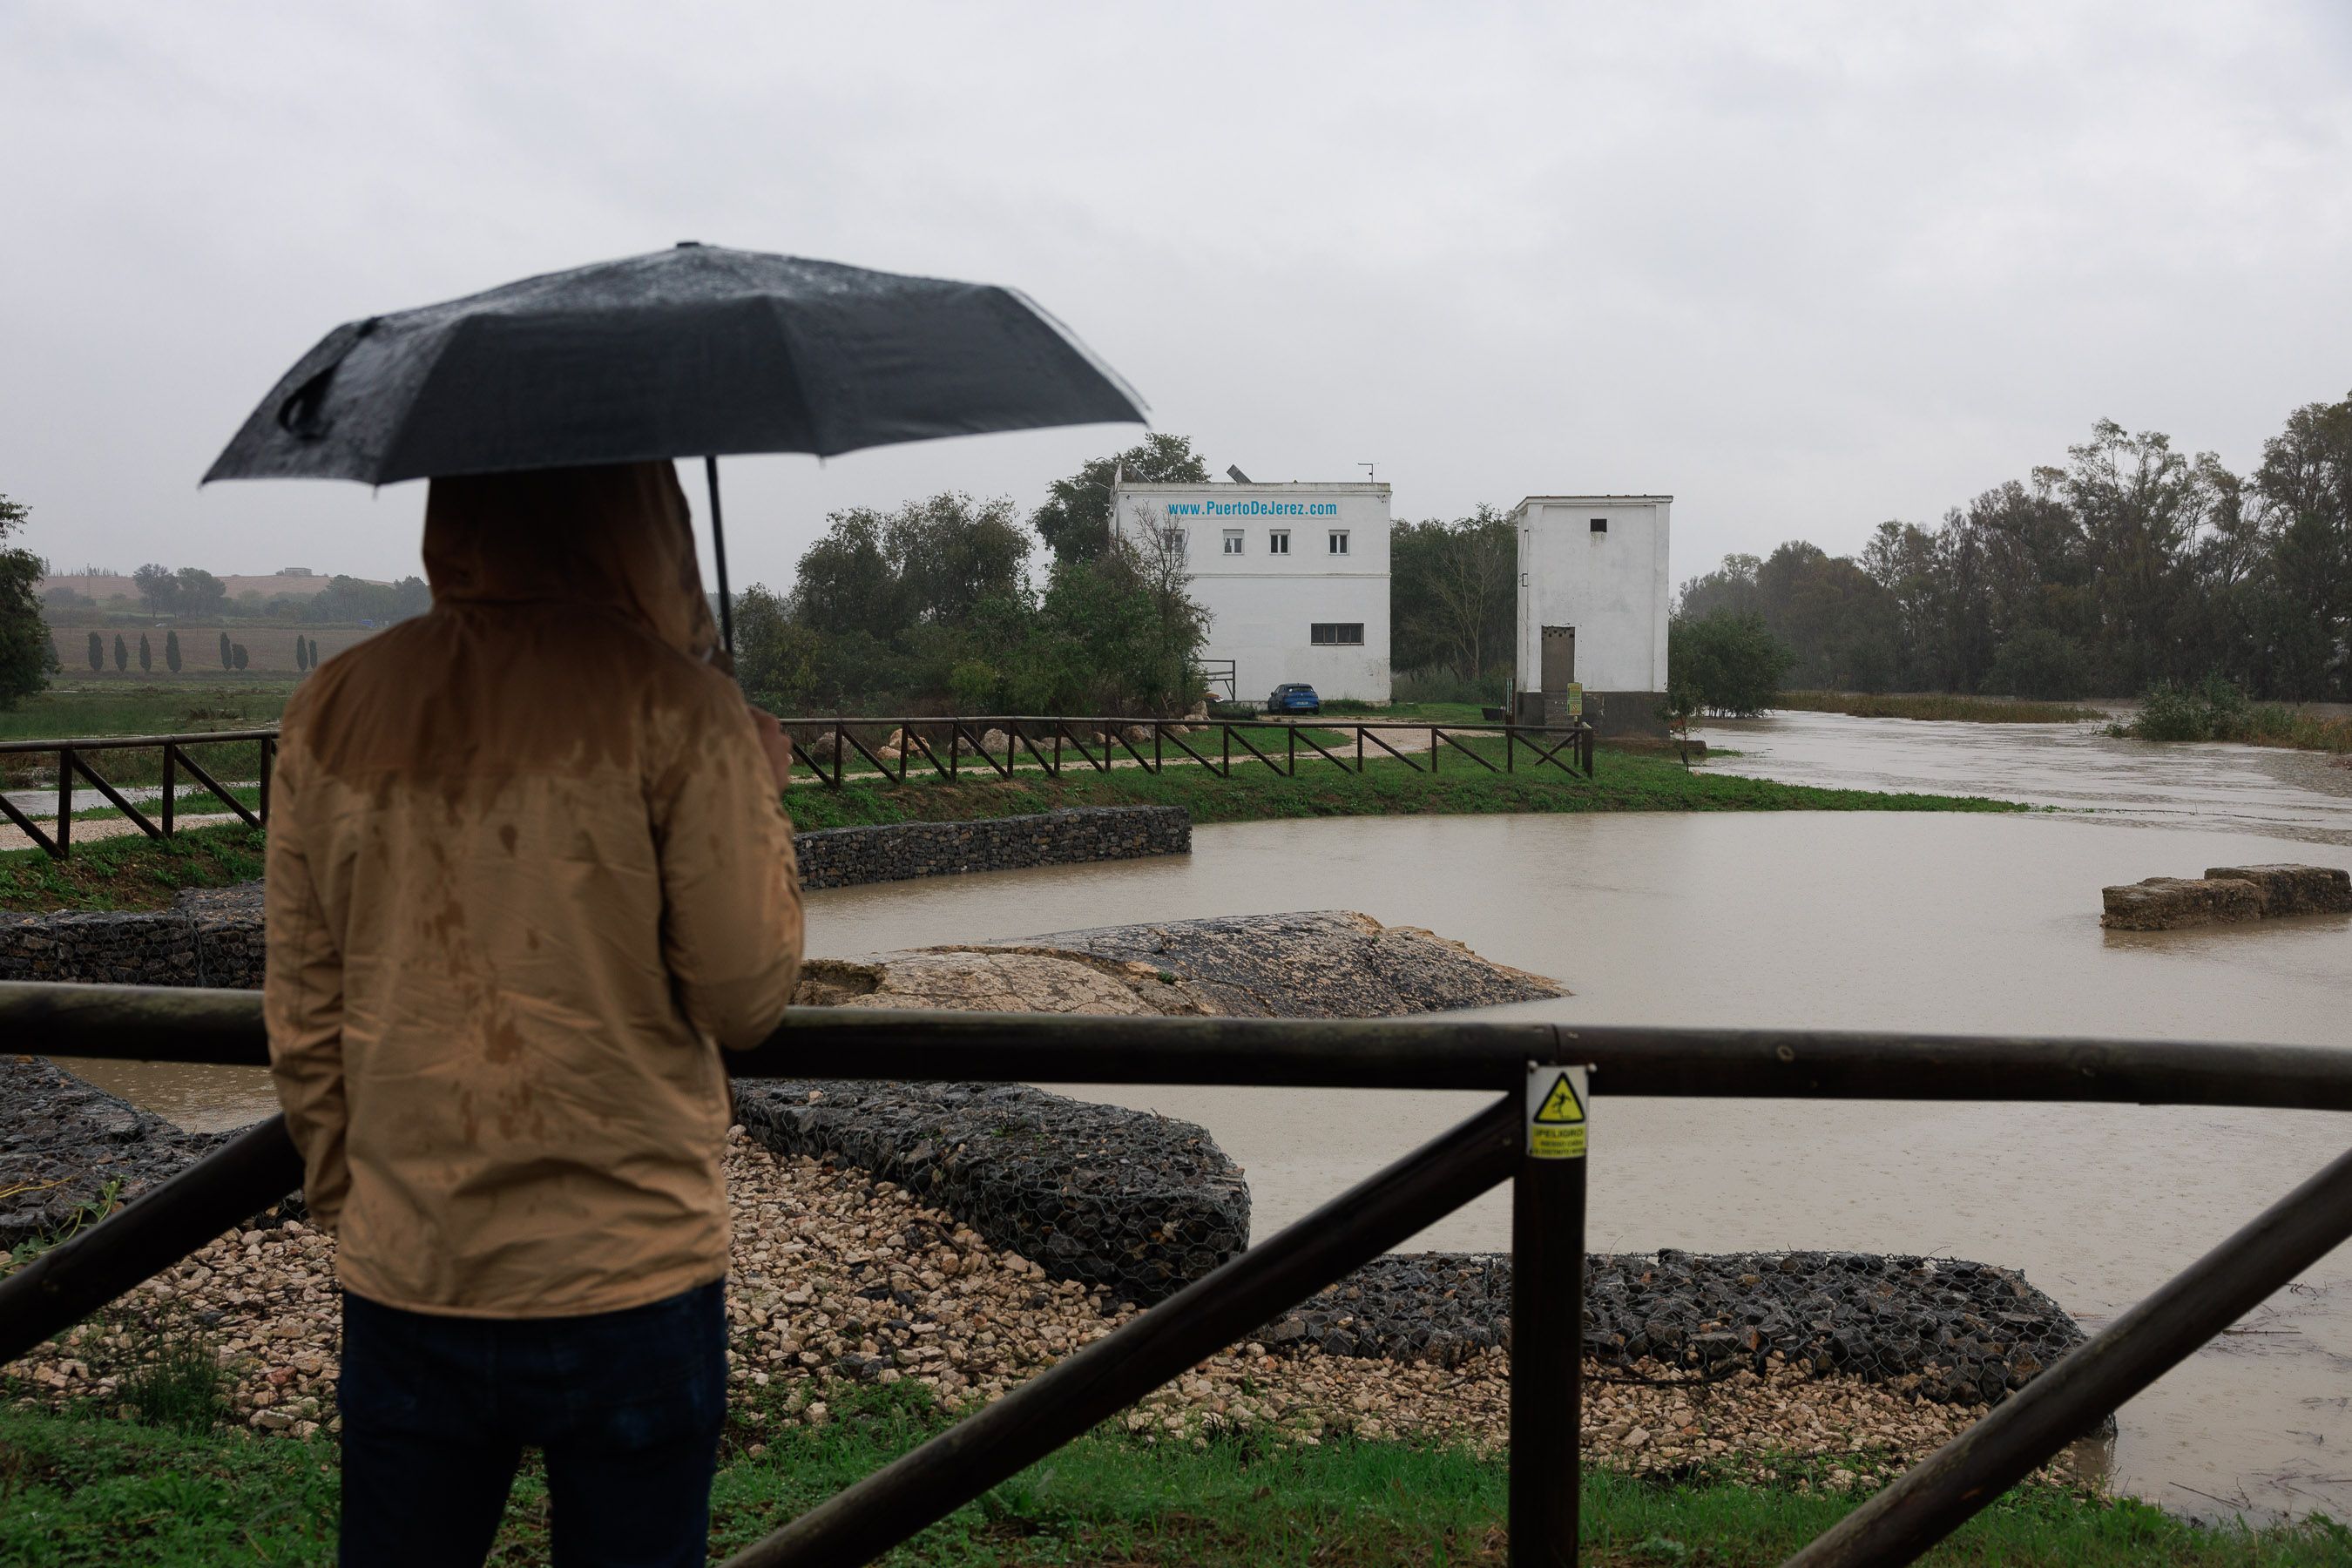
(193, 594)
(233, 655)
(2132, 566)
(934, 606)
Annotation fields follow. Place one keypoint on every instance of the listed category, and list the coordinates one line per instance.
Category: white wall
(1611, 587)
(1263, 606)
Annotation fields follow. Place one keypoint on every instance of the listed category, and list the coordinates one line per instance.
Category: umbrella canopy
(694, 352)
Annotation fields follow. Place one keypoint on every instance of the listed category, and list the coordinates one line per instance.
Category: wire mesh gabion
(1138, 1204)
(1946, 1329)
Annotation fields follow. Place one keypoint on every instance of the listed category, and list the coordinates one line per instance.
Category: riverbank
(135, 872)
(1936, 705)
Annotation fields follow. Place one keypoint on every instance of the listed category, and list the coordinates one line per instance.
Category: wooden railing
(74, 760)
(1530, 1137)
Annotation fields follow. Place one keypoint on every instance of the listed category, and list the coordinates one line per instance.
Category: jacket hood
(615, 537)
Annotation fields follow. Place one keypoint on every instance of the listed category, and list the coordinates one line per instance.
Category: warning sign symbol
(1561, 1107)
(1557, 1112)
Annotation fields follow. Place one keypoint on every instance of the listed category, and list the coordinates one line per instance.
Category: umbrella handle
(718, 552)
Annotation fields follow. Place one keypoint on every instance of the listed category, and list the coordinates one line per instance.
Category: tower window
(1279, 541)
(1599, 525)
(1233, 542)
(1338, 541)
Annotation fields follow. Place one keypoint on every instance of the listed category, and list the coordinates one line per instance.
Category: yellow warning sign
(1557, 1104)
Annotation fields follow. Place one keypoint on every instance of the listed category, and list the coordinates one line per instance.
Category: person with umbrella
(530, 871)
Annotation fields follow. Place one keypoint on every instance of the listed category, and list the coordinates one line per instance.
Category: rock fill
(1140, 1206)
(1951, 1331)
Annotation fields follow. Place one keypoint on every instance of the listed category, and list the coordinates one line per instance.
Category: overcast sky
(1803, 267)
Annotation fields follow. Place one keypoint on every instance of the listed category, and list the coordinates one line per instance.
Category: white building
(1593, 586)
(1295, 578)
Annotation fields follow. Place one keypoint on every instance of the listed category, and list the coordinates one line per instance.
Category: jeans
(626, 1407)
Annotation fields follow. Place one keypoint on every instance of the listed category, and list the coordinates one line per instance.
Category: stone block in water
(2169, 903)
(2293, 890)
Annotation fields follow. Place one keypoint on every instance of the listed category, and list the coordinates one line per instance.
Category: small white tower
(1594, 587)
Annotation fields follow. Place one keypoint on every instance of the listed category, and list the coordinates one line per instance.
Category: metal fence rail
(74, 761)
(1504, 1141)
(949, 747)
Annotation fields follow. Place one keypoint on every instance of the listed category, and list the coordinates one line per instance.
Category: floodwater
(2260, 789)
(1928, 922)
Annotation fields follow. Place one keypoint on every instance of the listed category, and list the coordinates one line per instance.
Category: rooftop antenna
(1372, 475)
(1234, 472)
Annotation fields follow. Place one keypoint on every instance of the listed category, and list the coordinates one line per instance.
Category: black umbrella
(693, 351)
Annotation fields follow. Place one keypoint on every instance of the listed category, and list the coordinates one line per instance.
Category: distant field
(126, 705)
(269, 651)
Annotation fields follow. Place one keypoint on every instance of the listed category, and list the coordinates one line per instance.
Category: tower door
(1559, 658)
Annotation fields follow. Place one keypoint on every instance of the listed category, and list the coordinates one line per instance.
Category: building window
(1599, 525)
(1178, 543)
(1337, 634)
(1338, 541)
(1279, 541)
(1233, 542)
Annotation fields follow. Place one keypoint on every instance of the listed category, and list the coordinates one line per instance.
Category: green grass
(1625, 782)
(83, 1489)
(130, 872)
(133, 872)
(132, 706)
(1937, 705)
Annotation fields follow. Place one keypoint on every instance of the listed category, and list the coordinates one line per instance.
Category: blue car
(1294, 697)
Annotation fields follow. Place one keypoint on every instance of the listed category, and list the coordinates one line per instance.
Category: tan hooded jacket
(526, 865)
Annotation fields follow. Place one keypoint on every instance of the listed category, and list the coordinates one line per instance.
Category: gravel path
(85, 830)
(839, 1279)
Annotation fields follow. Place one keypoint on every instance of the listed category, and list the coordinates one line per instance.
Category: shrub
(122, 654)
(1727, 662)
(2210, 710)
(146, 656)
(237, 655)
(228, 659)
(97, 652)
(172, 652)
(301, 655)
(2037, 663)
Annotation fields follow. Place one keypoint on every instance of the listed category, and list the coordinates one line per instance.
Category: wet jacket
(527, 873)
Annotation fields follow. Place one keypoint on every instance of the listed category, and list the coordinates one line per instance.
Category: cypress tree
(97, 652)
(240, 656)
(228, 661)
(314, 653)
(301, 655)
(172, 652)
(146, 656)
(122, 654)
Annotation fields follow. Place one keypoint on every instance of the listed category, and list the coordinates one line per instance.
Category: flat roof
(1589, 501)
(1342, 487)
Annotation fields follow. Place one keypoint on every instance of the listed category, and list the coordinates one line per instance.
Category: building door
(1559, 658)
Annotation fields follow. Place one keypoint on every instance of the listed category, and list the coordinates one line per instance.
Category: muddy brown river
(1928, 922)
